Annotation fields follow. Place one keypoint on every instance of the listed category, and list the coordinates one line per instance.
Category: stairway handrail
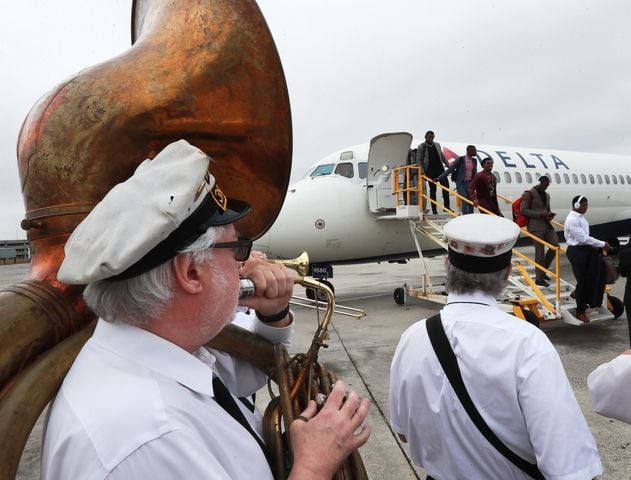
(557, 249)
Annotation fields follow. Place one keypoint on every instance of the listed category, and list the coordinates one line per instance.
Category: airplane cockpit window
(362, 169)
(575, 178)
(518, 177)
(507, 177)
(498, 179)
(528, 178)
(607, 179)
(323, 170)
(344, 169)
(346, 155)
(614, 179)
(599, 178)
(621, 180)
(583, 178)
(591, 179)
(557, 178)
(566, 178)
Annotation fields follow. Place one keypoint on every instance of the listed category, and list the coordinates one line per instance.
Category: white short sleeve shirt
(514, 377)
(134, 405)
(610, 388)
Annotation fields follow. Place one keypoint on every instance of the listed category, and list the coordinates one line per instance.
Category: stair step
(594, 315)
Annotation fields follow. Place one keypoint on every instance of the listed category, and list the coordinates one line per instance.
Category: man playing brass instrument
(144, 399)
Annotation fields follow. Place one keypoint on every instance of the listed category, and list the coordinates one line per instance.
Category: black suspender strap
(226, 401)
(449, 362)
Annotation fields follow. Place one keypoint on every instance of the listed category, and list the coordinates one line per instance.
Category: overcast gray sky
(540, 73)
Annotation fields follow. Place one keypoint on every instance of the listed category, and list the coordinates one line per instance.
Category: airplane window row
(567, 178)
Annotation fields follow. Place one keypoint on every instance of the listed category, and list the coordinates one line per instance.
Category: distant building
(14, 251)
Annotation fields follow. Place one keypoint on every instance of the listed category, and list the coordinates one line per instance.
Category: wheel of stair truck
(399, 296)
(615, 306)
(311, 292)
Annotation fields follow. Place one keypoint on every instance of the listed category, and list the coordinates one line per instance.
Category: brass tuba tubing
(311, 378)
(300, 378)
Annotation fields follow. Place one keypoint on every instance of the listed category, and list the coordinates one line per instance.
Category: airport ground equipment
(525, 299)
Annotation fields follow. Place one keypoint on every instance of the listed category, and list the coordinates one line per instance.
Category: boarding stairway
(539, 305)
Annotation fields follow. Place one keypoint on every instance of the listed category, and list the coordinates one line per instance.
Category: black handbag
(449, 362)
(610, 271)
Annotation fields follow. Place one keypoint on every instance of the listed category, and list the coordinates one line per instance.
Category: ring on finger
(302, 417)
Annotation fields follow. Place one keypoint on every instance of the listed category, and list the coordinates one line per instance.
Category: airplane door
(387, 151)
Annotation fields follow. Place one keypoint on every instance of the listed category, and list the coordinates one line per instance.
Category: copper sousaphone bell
(203, 70)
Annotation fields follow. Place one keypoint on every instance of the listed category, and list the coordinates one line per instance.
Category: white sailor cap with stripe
(480, 243)
(167, 204)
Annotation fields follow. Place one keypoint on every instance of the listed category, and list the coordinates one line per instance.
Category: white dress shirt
(515, 379)
(610, 388)
(134, 405)
(576, 230)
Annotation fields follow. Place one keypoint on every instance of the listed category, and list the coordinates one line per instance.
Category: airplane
(343, 211)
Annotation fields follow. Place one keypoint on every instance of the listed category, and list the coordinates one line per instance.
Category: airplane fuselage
(328, 212)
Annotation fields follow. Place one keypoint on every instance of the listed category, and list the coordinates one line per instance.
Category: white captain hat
(162, 208)
(480, 243)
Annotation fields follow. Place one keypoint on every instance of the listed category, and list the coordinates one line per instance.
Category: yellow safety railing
(557, 250)
(406, 190)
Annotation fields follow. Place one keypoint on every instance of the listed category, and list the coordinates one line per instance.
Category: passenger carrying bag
(449, 362)
(610, 271)
(518, 217)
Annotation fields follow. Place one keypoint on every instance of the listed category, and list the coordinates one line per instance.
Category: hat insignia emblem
(220, 199)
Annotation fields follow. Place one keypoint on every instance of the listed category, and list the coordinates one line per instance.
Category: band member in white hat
(144, 398)
(472, 362)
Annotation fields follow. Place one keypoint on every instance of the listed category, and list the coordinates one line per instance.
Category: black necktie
(226, 401)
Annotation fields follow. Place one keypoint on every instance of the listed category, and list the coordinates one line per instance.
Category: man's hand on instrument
(322, 441)
(274, 285)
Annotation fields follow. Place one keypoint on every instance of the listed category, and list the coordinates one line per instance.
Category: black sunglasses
(242, 248)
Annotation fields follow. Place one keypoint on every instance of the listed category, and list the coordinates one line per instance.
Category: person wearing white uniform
(586, 264)
(509, 368)
(144, 398)
(610, 388)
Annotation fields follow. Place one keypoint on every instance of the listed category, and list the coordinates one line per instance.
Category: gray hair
(459, 281)
(139, 300)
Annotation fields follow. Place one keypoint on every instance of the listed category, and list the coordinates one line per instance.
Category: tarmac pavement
(360, 352)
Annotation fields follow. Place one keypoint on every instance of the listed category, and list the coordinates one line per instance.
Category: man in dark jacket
(535, 205)
(431, 159)
(624, 267)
